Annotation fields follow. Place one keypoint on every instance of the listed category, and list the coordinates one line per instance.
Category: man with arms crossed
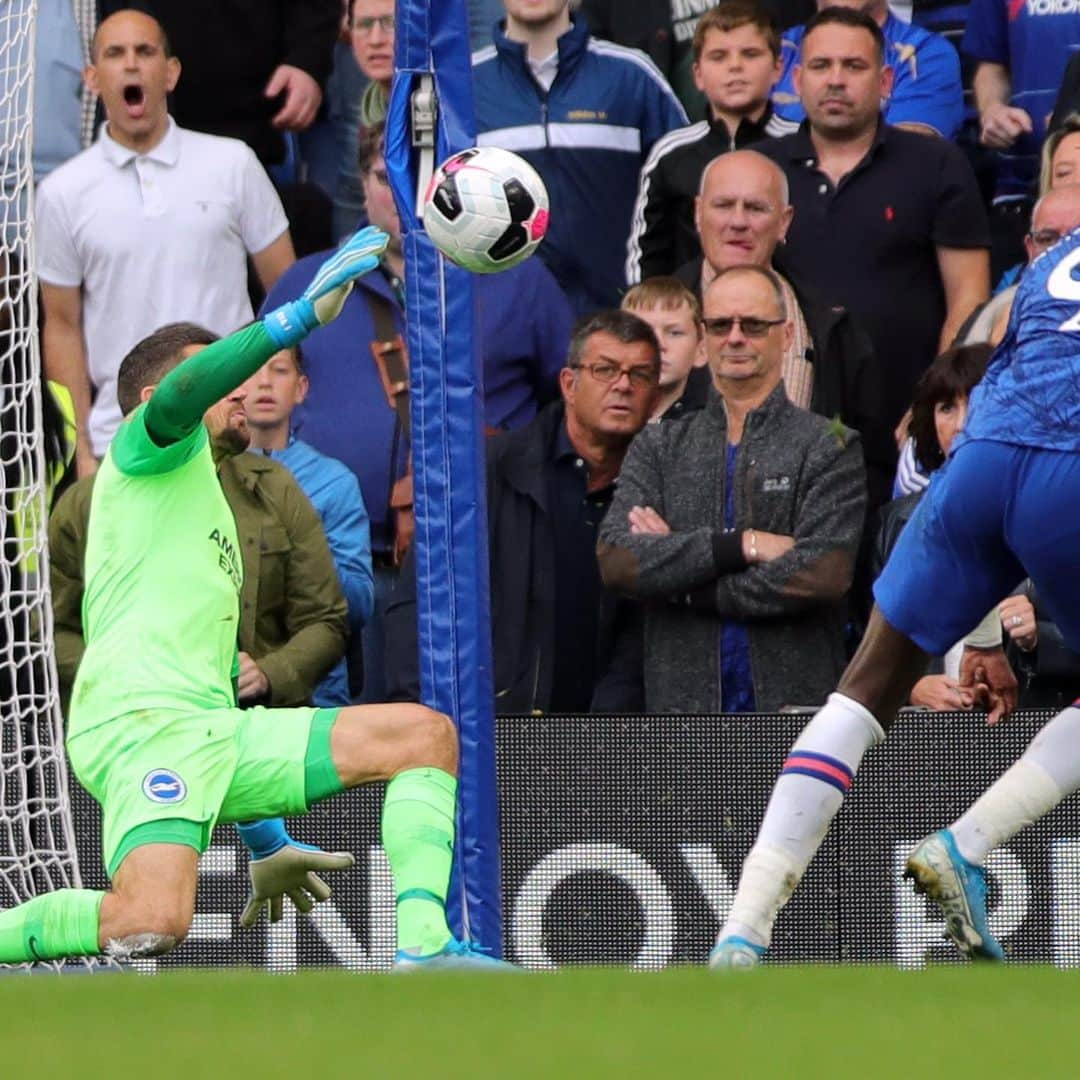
(154, 733)
(737, 527)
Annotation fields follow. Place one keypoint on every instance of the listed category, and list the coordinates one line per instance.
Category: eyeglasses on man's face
(1044, 238)
(367, 23)
(751, 326)
(603, 371)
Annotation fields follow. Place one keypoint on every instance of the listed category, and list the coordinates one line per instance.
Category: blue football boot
(453, 956)
(735, 952)
(958, 887)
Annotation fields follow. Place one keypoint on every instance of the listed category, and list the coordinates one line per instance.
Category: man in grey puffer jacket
(738, 526)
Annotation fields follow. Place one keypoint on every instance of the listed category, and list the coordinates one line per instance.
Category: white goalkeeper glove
(280, 867)
(322, 301)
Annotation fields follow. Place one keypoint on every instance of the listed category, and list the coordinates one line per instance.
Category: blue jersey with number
(1030, 395)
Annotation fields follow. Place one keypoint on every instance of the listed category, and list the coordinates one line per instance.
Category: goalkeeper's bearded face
(227, 424)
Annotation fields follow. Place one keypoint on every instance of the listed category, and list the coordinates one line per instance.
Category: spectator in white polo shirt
(152, 224)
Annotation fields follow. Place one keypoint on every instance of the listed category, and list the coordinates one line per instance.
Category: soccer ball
(486, 209)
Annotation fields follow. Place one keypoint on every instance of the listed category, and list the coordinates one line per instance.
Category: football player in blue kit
(1000, 509)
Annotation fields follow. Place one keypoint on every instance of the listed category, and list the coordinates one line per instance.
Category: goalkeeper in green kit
(154, 733)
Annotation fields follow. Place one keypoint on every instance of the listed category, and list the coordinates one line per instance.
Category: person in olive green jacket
(293, 617)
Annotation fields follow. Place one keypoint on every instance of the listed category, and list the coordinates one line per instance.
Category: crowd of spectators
(789, 233)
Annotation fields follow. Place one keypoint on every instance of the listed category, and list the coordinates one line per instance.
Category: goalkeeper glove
(324, 298)
(280, 866)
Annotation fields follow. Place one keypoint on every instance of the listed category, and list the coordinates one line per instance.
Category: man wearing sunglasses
(743, 215)
(738, 526)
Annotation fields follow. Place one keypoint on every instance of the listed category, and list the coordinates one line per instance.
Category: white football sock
(816, 775)
(1048, 771)
(1057, 749)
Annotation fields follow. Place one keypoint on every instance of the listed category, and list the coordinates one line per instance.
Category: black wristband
(727, 551)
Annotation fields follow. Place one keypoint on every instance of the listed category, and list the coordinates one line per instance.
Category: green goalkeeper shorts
(165, 776)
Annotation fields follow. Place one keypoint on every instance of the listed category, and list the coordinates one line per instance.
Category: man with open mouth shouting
(152, 224)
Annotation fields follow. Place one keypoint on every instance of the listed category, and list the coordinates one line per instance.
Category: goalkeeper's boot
(958, 887)
(735, 952)
(453, 956)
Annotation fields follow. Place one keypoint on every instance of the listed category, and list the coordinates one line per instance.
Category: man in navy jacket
(585, 114)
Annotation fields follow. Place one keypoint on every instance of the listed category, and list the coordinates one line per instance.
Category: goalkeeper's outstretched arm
(183, 396)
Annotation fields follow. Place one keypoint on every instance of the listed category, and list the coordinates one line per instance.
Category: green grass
(784, 1022)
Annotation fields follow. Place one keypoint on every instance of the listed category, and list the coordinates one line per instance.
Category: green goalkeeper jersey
(163, 573)
(163, 570)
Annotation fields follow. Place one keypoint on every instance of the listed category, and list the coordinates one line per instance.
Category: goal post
(37, 843)
(430, 116)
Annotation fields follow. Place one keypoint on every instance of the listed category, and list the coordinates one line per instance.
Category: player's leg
(948, 864)
(51, 926)
(816, 776)
(380, 742)
(156, 821)
(291, 758)
(159, 778)
(415, 750)
(149, 908)
(146, 912)
(945, 573)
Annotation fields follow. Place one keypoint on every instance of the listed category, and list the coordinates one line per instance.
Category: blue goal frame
(446, 389)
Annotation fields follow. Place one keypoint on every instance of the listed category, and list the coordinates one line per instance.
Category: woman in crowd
(937, 417)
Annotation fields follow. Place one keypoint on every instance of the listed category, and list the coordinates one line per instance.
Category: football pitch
(780, 1022)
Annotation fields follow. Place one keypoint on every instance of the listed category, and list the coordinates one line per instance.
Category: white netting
(37, 850)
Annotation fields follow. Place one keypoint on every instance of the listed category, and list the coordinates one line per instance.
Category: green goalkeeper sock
(418, 836)
(50, 927)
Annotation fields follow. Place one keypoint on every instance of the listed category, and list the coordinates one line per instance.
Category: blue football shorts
(993, 514)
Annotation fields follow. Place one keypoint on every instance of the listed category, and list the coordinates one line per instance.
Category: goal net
(37, 849)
